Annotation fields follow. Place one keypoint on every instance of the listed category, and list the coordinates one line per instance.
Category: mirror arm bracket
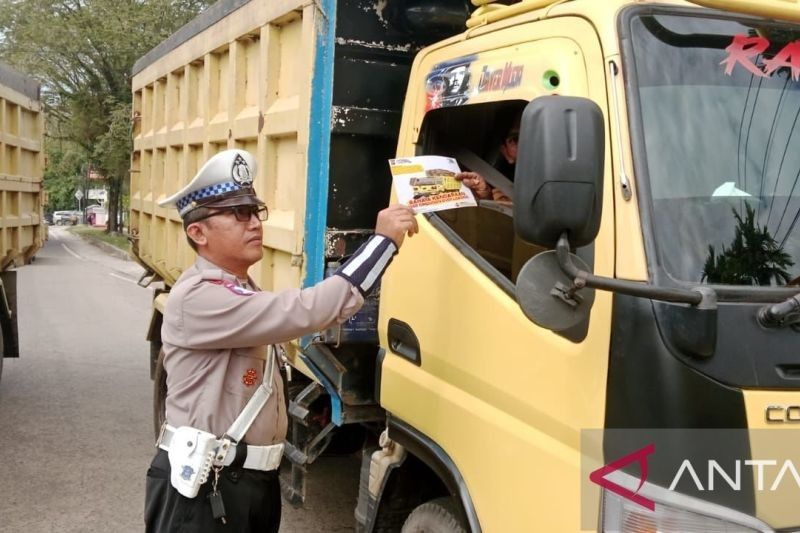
(781, 314)
(568, 295)
(700, 297)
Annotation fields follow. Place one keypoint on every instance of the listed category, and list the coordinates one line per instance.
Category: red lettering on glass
(742, 50)
(789, 56)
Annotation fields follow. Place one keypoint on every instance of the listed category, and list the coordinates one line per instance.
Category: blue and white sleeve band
(366, 266)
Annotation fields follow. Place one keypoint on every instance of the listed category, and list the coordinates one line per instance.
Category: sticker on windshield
(746, 51)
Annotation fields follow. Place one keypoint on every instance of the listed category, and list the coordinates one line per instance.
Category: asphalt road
(75, 408)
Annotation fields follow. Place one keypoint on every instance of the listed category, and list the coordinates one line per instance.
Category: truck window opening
(479, 128)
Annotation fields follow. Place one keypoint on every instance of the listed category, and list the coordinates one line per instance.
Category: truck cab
(680, 120)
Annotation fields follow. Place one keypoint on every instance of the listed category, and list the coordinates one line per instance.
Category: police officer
(217, 328)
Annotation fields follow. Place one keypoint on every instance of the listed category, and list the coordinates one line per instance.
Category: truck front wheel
(436, 516)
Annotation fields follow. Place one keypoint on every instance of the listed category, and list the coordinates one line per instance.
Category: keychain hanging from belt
(215, 498)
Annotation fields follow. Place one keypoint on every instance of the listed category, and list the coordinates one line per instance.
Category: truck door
(504, 398)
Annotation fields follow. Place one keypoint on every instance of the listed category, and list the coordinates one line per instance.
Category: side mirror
(558, 182)
(543, 293)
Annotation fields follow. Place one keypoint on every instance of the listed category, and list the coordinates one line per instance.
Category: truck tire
(435, 516)
(159, 394)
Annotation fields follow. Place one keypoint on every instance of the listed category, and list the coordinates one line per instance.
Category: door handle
(403, 341)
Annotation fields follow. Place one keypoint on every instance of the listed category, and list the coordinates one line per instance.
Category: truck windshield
(719, 102)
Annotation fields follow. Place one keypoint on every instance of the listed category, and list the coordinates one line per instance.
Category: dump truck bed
(22, 230)
(315, 98)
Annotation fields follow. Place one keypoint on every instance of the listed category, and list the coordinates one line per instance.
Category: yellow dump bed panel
(242, 82)
(22, 231)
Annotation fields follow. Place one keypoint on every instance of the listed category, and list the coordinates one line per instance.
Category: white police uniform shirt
(216, 332)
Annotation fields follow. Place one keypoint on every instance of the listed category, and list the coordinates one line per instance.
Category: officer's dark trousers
(252, 502)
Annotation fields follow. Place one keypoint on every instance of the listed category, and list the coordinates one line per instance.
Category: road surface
(75, 408)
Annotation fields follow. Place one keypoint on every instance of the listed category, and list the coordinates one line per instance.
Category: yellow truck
(619, 350)
(434, 184)
(22, 229)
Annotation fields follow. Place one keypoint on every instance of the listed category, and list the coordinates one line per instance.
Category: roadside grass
(117, 240)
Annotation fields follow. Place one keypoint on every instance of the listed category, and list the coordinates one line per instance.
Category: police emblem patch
(187, 472)
(241, 172)
(249, 378)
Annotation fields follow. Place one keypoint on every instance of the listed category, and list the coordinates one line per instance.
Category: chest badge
(249, 378)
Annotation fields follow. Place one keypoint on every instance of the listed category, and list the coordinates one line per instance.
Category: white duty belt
(263, 458)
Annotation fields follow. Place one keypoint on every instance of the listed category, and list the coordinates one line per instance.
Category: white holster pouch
(193, 452)
(191, 455)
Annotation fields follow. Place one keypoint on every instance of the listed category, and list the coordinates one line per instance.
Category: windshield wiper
(786, 313)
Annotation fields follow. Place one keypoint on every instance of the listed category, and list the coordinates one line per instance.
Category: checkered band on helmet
(207, 192)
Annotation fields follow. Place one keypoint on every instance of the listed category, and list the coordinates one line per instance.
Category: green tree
(754, 257)
(62, 177)
(83, 51)
(112, 152)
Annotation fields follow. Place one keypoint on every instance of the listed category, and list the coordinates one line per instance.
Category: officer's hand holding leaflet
(395, 222)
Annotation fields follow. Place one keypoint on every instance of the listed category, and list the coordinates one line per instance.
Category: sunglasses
(243, 213)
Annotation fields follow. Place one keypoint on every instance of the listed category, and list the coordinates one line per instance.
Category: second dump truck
(22, 198)
(616, 352)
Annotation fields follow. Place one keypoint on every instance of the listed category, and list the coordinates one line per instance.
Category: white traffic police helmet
(226, 180)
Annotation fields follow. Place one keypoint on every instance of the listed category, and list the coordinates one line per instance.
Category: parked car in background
(66, 218)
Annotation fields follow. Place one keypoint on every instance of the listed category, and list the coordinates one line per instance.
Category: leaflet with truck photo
(428, 183)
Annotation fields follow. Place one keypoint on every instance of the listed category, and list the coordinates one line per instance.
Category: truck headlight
(674, 512)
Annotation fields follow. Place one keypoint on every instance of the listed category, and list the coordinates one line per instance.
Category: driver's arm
(477, 184)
